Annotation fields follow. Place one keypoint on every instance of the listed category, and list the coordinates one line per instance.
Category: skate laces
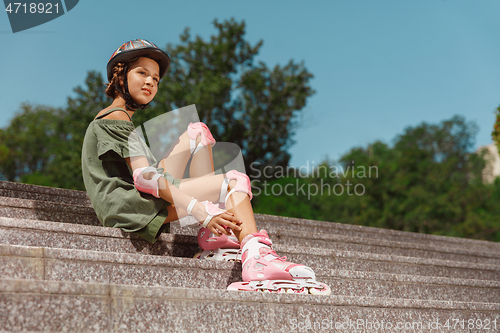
(270, 252)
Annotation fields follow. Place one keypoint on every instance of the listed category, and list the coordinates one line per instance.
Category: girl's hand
(221, 224)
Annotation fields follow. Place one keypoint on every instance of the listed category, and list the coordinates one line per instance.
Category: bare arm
(168, 191)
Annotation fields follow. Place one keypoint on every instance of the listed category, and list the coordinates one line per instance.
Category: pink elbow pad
(149, 186)
(212, 211)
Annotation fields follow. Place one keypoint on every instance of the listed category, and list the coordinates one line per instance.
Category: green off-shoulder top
(109, 183)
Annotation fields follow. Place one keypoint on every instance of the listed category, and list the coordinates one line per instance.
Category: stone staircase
(60, 271)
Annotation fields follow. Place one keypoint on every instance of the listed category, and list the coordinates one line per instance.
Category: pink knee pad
(242, 185)
(142, 184)
(199, 128)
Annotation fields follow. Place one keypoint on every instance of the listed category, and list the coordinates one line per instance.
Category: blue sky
(378, 66)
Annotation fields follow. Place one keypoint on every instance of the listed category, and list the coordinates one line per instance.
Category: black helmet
(132, 50)
(138, 48)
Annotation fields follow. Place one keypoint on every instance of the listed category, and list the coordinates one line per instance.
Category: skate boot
(223, 247)
(263, 270)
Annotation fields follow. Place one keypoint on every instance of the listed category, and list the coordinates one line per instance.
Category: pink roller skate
(263, 270)
(223, 248)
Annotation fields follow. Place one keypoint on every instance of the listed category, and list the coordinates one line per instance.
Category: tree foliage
(496, 129)
(26, 146)
(428, 181)
(242, 102)
(72, 125)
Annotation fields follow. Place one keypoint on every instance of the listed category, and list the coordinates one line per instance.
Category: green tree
(496, 129)
(43, 145)
(65, 168)
(26, 146)
(424, 178)
(241, 102)
(428, 181)
(247, 104)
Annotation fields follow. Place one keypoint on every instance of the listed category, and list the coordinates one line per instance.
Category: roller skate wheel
(325, 291)
(302, 290)
(197, 255)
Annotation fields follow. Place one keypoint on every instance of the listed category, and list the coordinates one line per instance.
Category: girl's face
(143, 78)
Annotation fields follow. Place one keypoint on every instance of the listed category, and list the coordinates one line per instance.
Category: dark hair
(117, 80)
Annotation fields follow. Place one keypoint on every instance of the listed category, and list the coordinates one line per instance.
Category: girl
(128, 193)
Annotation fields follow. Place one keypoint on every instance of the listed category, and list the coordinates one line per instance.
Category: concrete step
(137, 269)
(61, 271)
(359, 244)
(323, 234)
(44, 193)
(44, 210)
(369, 284)
(48, 211)
(39, 263)
(270, 222)
(324, 259)
(60, 235)
(84, 237)
(54, 264)
(60, 205)
(48, 306)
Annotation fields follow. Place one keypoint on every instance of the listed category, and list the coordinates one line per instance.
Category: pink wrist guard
(212, 211)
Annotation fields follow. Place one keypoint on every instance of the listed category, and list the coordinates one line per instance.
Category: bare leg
(175, 162)
(208, 188)
(177, 158)
(204, 185)
(172, 214)
(243, 211)
(203, 188)
(202, 163)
